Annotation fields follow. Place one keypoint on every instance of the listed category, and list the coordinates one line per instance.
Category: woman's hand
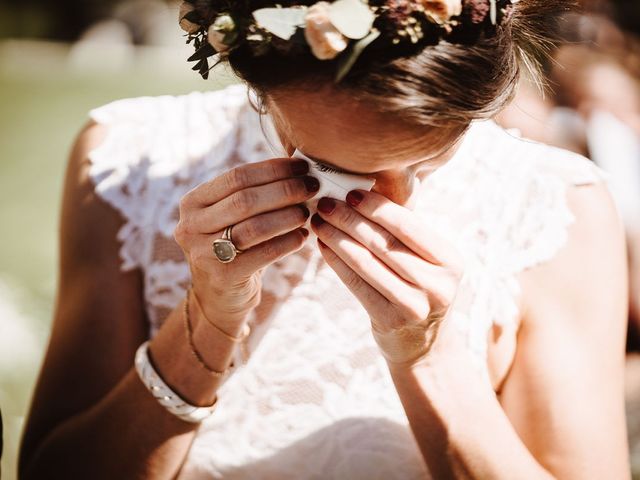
(404, 275)
(264, 204)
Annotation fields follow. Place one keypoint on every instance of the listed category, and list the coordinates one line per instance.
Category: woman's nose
(398, 189)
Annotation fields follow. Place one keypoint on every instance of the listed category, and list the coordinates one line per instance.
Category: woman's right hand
(264, 202)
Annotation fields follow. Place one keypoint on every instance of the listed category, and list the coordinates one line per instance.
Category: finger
(249, 261)
(268, 225)
(387, 248)
(371, 270)
(368, 296)
(250, 202)
(245, 176)
(406, 227)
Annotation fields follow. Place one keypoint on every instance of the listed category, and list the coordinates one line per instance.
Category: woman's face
(345, 134)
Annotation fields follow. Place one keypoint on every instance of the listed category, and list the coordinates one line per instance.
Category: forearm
(459, 425)
(128, 434)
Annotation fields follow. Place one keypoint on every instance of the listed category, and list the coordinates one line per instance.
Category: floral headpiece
(340, 29)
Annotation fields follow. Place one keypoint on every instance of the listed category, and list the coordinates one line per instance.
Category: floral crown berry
(340, 30)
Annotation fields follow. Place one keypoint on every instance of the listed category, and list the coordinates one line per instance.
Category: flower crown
(340, 29)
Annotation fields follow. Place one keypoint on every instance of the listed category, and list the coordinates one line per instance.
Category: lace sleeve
(156, 145)
(542, 229)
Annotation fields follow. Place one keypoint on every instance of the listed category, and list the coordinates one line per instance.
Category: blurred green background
(46, 91)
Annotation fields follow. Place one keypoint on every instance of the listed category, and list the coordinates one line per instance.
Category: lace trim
(154, 152)
(521, 221)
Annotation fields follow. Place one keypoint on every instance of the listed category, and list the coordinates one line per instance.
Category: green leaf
(194, 17)
(282, 22)
(352, 56)
(352, 18)
(203, 52)
(198, 66)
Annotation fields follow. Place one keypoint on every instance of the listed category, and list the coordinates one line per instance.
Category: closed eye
(322, 167)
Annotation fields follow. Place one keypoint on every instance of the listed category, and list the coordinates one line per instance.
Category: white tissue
(333, 184)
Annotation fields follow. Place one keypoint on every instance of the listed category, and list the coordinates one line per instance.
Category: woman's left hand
(403, 273)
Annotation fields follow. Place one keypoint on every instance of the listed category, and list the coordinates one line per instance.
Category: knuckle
(248, 230)
(351, 280)
(179, 233)
(273, 169)
(291, 188)
(237, 178)
(389, 243)
(348, 217)
(273, 249)
(185, 202)
(241, 202)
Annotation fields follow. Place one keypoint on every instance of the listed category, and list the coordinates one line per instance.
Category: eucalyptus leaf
(282, 22)
(203, 52)
(352, 18)
(353, 54)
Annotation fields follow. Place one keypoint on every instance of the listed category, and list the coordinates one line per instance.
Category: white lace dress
(315, 399)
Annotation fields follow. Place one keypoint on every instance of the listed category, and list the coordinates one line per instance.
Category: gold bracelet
(194, 350)
(243, 336)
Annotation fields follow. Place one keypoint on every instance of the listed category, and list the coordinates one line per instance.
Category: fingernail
(316, 220)
(326, 205)
(354, 198)
(305, 232)
(299, 168)
(311, 184)
(305, 211)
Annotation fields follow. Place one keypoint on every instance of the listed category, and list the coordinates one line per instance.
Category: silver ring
(224, 249)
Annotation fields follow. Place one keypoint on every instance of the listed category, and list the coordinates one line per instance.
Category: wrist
(228, 309)
(409, 346)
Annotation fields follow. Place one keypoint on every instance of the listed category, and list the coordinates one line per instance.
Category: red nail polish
(326, 205)
(316, 220)
(305, 211)
(354, 198)
(299, 168)
(311, 184)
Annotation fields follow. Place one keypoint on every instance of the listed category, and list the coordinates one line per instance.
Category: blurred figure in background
(594, 109)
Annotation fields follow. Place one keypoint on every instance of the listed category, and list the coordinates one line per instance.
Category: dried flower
(398, 12)
(325, 40)
(442, 10)
(185, 9)
(477, 10)
(222, 33)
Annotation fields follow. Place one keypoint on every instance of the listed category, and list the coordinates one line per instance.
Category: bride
(219, 315)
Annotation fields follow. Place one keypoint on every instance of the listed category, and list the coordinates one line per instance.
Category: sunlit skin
(387, 282)
(86, 419)
(394, 155)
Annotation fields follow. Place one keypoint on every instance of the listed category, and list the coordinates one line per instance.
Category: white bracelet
(163, 394)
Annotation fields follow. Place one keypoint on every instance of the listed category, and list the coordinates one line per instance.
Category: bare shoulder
(98, 318)
(592, 262)
(564, 392)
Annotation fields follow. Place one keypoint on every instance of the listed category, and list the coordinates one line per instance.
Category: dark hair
(447, 84)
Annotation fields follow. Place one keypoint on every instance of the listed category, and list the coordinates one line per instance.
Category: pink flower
(185, 24)
(222, 33)
(325, 40)
(442, 10)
